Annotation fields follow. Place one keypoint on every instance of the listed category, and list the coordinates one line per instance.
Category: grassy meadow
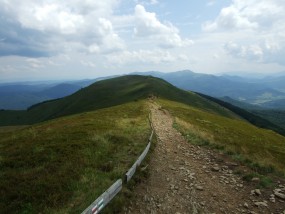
(62, 165)
(263, 150)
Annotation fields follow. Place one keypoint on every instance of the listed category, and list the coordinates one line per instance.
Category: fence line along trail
(185, 178)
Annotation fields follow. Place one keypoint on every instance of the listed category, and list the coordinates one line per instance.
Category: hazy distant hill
(20, 96)
(249, 90)
(274, 104)
(268, 112)
(241, 104)
(277, 83)
(59, 91)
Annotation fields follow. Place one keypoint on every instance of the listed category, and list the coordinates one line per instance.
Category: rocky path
(188, 179)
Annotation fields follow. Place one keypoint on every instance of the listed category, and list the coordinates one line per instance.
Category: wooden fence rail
(113, 190)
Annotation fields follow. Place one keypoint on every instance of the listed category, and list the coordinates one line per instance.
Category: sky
(80, 39)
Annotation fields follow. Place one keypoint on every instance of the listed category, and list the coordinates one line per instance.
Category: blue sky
(51, 39)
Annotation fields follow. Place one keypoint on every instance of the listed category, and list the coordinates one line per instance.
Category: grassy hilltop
(104, 94)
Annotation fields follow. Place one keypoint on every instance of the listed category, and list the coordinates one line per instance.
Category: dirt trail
(188, 179)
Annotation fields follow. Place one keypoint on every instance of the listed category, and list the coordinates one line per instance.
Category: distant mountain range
(20, 96)
(253, 91)
(268, 93)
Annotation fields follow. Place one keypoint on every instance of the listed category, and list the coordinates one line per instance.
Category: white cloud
(230, 18)
(252, 29)
(265, 51)
(145, 56)
(148, 26)
(107, 40)
(35, 63)
(253, 52)
(88, 64)
(49, 17)
(56, 26)
(250, 14)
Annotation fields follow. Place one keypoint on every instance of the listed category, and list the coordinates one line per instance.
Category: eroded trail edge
(188, 179)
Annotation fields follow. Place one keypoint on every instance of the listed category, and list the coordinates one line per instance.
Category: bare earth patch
(190, 179)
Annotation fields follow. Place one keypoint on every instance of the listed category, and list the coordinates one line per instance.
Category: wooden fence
(113, 190)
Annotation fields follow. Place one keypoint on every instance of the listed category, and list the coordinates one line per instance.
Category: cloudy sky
(76, 39)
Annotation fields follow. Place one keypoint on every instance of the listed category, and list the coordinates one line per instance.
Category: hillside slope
(254, 118)
(108, 93)
(275, 116)
(62, 165)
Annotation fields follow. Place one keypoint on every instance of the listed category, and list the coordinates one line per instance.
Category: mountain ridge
(124, 89)
(220, 86)
(260, 91)
(104, 94)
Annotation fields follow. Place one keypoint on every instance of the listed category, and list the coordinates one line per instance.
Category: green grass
(63, 165)
(255, 119)
(125, 197)
(264, 181)
(274, 115)
(263, 150)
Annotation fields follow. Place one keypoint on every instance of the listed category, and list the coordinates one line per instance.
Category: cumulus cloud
(253, 30)
(35, 63)
(148, 26)
(43, 28)
(254, 52)
(250, 14)
(105, 39)
(267, 52)
(145, 56)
